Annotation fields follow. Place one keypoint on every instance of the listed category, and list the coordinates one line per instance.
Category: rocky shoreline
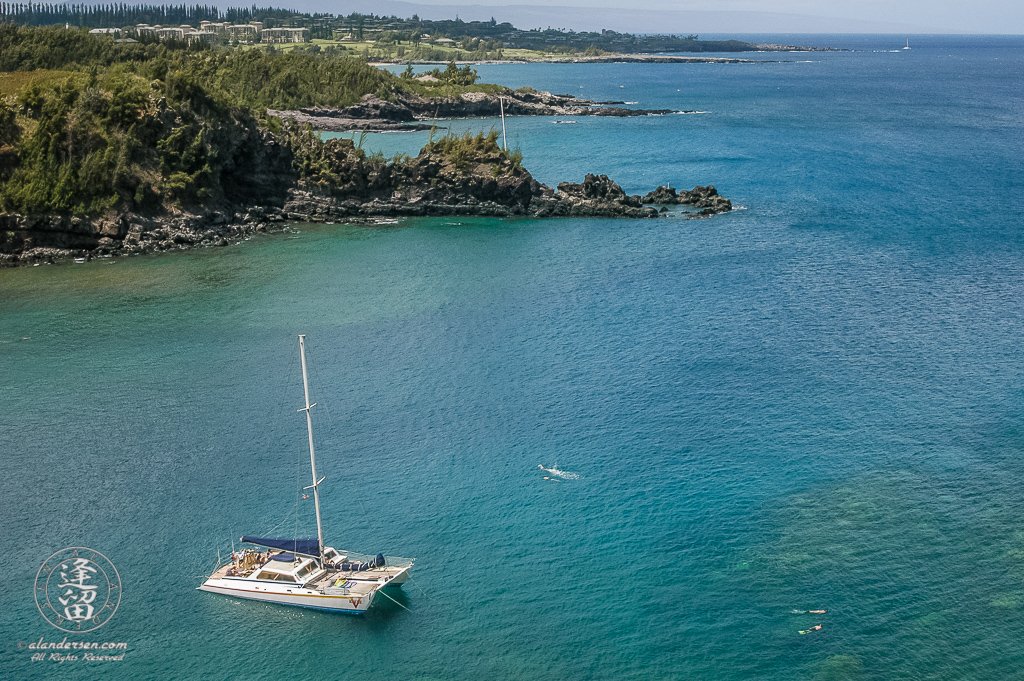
(438, 182)
(624, 58)
(334, 181)
(128, 234)
(406, 111)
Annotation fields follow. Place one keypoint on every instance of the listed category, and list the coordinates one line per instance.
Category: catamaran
(306, 572)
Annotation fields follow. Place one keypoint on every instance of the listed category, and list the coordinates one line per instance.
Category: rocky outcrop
(35, 239)
(372, 114)
(707, 199)
(599, 196)
(440, 183)
(454, 176)
(403, 109)
(795, 48)
(662, 195)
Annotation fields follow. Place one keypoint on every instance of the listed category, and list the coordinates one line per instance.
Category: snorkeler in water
(814, 628)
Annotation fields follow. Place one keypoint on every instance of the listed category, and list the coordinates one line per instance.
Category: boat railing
(355, 557)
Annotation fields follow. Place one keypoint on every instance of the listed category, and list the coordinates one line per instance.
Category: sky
(769, 16)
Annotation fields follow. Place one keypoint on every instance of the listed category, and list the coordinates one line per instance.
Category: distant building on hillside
(200, 37)
(214, 27)
(243, 33)
(277, 36)
(208, 31)
(170, 33)
(105, 31)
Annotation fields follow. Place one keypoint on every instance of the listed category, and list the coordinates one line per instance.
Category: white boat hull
(355, 604)
(357, 594)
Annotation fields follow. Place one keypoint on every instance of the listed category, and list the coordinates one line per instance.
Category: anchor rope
(381, 592)
(417, 585)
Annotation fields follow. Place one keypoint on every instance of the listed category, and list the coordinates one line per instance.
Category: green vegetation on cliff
(253, 79)
(465, 164)
(89, 143)
(89, 125)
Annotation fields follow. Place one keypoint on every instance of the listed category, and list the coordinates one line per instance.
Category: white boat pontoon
(305, 572)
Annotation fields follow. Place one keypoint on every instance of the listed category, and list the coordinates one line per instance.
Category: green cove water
(813, 402)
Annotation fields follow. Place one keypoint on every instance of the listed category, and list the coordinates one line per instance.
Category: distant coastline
(579, 59)
(375, 38)
(406, 111)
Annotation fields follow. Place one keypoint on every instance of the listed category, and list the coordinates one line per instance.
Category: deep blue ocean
(813, 402)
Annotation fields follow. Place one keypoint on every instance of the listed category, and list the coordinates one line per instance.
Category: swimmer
(814, 628)
(561, 474)
(804, 612)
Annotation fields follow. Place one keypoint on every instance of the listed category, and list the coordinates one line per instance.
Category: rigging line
(298, 465)
(381, 592)
(298, 490)
(324, 424)
(327, 442)
(216, 567)
(417, 585)
(287, 517)
(276, 390)
(369, 519)
(298, 468)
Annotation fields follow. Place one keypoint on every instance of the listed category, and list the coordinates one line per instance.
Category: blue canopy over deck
(306, 547)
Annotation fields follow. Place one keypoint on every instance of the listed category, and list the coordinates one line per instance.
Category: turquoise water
(811, 403)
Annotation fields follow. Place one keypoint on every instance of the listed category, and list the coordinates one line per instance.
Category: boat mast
(312, 456)
(504, 139)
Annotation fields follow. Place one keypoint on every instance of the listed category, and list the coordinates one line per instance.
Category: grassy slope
(13, 82)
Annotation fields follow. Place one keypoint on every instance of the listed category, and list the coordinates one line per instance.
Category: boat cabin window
(276, 576)
(305, 570)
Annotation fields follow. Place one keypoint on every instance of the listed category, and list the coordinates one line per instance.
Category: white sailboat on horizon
(306, 572)
(908, 44)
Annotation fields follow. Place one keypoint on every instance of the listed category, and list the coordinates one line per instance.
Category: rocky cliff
(334, 181)
(454, 176)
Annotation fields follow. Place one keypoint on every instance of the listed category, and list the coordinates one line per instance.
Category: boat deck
(335, 578)
(221, 572)
(371, 576)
